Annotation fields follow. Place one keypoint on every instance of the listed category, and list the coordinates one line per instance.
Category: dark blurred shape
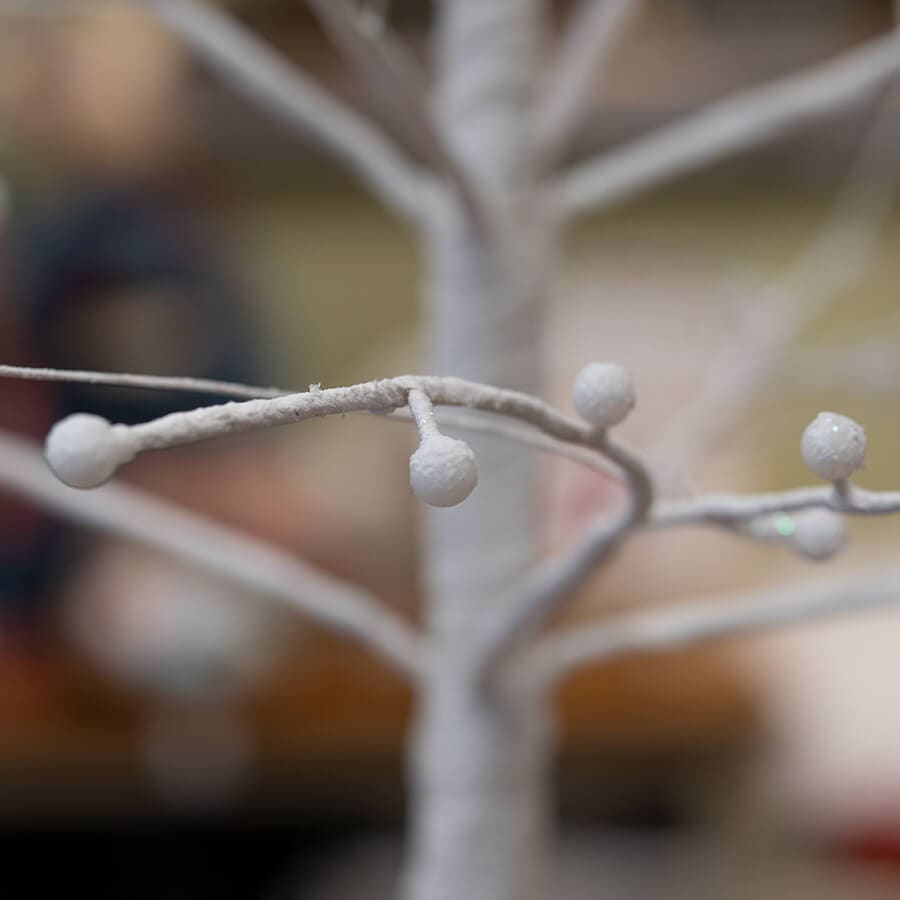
(116, 281)
(28, 538)
(120, 282)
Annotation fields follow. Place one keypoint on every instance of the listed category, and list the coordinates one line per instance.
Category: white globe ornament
(833, 446)
(442, 471)
(85, 450)
(604, 394)
(819, 533)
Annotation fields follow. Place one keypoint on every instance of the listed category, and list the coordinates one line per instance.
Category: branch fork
(85, 451)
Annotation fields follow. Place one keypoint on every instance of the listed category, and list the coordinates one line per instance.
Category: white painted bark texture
(478, 763)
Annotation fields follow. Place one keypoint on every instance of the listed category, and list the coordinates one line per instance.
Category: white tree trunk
(479, 792)
(479, 763)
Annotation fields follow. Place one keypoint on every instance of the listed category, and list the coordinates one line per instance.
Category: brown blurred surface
(330, 725)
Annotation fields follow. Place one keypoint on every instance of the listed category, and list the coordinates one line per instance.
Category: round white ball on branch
(85, 450)
(833, 446)
(819, 533)
(442, 471)
(604, 394)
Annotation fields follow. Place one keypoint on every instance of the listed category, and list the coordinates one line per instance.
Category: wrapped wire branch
(671, 628)
(85, 451)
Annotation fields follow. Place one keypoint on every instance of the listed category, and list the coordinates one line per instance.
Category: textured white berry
(442, 471)
(604, 394)
(85, 450)
(819, 534)
(833, 446)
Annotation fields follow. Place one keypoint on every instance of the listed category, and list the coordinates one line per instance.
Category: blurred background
(164, 735)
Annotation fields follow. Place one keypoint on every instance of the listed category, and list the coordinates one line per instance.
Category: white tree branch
(381, 396)
(734, 124)
(258, 72)
(592, 32)
(731, 615)
(555, 581)
(130, 513)
(463, 419)
(114, 445)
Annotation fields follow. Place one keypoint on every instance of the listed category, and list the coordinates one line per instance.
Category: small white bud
(85, 450)
(442, 471)
(604, 394)
(833, 446)
(819, 533)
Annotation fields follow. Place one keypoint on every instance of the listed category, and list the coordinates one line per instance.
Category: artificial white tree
(474, 165)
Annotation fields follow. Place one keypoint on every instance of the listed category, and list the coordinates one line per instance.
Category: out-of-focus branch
(86, 450)
(867, 365)
(128, 512)
(257, 71)
(737, 123)
(591, 34)
(835, 259)
(672, 628)
(399, 89)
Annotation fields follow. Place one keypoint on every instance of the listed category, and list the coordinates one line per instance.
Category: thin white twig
(731, 615)
(130, 513)
(257, 71)
(737, 123)
(592, 32)
(555, 581)
(151, 382)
